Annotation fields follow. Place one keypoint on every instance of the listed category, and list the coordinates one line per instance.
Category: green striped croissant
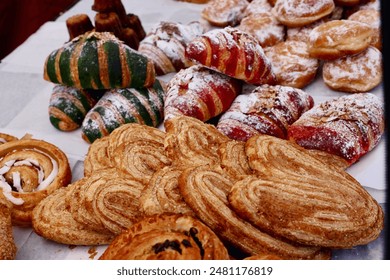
(98, 60)
(68, 106)
(120, 106)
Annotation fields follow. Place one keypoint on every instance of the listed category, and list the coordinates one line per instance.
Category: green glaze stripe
(51, 67)
(91, 131)
(88, 66)
(68, 108)
(138, 65)
(111, 49)
(140, 108)
(55, 122)
(81, 96)
(64, 65)
(125, 114)
(109, 123)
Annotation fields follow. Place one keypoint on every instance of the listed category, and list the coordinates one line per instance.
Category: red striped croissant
(266, 110)
(200, 93)
(232, 52)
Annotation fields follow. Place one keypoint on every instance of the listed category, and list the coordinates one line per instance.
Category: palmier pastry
(295, 13)
(165, 45)
(358, 73)
(338, 38)
(52, 220)
(98, 60)
(299, 198)
(191, 142)
(264, 27)
(31, 169)
(205, 190)
(224, 13)
(265, 110)
(162, 193)
(167, 237)
(348, 126)
(97, 157)
(4, 138)
(292, 64)
(234, 53)
(8, 248)
(371, 17)
(200, 93)
(121, 106)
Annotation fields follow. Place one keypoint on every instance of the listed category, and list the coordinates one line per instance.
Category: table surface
(25, 97)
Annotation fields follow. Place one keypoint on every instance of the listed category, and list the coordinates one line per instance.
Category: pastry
(353, 74)
(257, 7)
(264, 110)
(205, 190)
(8, 247)
(52, 220)
(298, 197)
(348, 126)
(165, 45)
(234, 53)
(262, 257)
(200, 93)
(222, 13)
(30, 170)
(68, 106)
(264, 27)
(4, 138)
(338, 38)
(120, 106)
(98, 60)
(295, 13)
(97, 157)
(162, 193)
(167, 237)
(292, 64)
(371, 17)
(191, 142)
(78, 25)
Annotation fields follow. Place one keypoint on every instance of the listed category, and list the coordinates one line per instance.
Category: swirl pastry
(299, 198)
(200, 93)
(68, 106)
(224, 13)
(295, 13)
(167, 237)
(205, 190)
(31, 169)
(348, 126)
(162, 193)
(234, 53)
(97, 157)
(8, 248)
(191, 142)
(165, 45)
(266, 110)
(52, 220)
(4, 138)
(120, 106)
(98, 60)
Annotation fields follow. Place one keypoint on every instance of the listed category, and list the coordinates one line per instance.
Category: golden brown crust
(4, 138)
(8, 248)
(371, 17)
(222, 13)
(97, 156)
(167, 237)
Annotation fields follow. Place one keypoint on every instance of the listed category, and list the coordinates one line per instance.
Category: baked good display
(292, 63)
(371, 17)
(200, 93)
(120, 106)
(98, 60)
(264, 110)
(348, 126)
(31, 169)
(295, 13)
(222, 13)
(167, 237)
(295, 181)
(68, 106)
(338, 38)
(234, 53)
(353, 74)
(8, 247)
(165, 45)
(5, 137)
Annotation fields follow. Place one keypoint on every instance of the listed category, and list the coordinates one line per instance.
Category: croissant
(98, 60)
(200, 93)
(266, 110)
(120, 106)
(232, 52)
(348, 126)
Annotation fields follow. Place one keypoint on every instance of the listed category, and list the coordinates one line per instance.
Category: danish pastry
(234, 53)
(338, 38)
(348, 126)
(167, 237)
(265, 110)
(358, 73)
(292, 64)
(295, 13)
(8, 247)
(222, 13)
(200, 93)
